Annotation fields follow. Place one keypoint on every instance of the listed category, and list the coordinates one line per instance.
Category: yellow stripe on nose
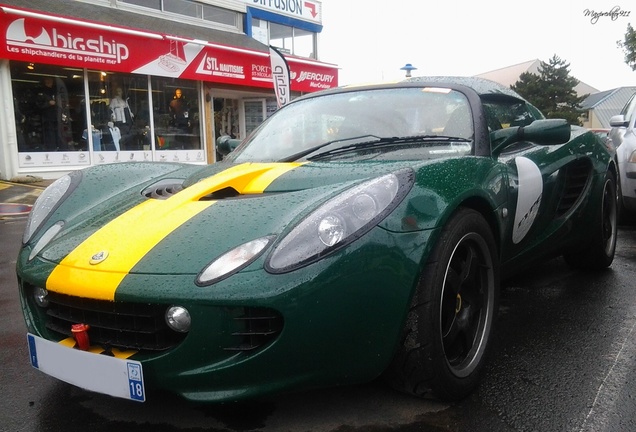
(97, 266)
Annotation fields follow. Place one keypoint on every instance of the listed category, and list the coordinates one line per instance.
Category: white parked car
(623, 136)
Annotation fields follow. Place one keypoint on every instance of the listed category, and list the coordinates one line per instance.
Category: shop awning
(71, 33)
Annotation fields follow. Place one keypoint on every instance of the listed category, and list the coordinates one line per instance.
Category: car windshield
(399, 123)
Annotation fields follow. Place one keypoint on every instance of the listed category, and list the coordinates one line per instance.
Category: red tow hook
(80, 334)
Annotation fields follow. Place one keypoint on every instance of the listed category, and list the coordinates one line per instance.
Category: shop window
(118, 107)
(303, 43)
(182, 7)
(176, 114)
(218, 15)
(289, 40)
(71, 116)
(259, 31)
(192, 9)
(47, 103)
(152, 4)
(255, 114)
(281, 36)
(255, 111)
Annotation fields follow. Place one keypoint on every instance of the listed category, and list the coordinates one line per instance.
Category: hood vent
(163, 189)
(225, 193)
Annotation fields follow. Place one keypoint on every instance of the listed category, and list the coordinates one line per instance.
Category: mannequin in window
(180, 113)
(121, 114)
(51, 115)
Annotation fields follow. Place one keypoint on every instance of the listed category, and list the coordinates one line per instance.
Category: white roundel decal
(530, 189)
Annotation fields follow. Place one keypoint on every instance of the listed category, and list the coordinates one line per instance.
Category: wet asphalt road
(564, 359)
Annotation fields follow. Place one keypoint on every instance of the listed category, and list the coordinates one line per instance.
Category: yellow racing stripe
(125, 240)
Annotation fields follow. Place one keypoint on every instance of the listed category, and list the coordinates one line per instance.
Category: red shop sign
(39, 38)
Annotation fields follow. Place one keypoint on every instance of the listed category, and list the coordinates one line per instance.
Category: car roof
(481, 86)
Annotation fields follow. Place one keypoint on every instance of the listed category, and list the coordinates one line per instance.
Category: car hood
(220, 207)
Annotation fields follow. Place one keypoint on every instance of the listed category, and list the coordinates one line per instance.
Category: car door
(544, 182)
(623, 137)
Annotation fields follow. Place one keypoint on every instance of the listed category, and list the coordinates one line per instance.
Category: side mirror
(225, 144)
(619, 120)
(542, 132)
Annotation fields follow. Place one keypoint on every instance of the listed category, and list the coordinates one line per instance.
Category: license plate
(121, 378)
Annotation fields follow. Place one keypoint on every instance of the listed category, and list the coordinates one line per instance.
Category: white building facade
(108, 81)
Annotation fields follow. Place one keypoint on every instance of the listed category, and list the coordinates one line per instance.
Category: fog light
(178, 318)
(40, 294)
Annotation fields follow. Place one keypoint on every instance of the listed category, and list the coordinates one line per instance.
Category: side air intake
(163, 189)
(577, 175)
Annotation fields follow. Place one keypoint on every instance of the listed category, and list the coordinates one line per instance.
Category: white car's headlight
(340, 221)
(48, 200)
(232, 261)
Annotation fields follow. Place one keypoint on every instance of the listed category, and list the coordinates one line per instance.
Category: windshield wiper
(368, 143)
(390, 141)
(310, 150)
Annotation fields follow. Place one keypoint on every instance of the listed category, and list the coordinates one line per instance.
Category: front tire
(449, 324)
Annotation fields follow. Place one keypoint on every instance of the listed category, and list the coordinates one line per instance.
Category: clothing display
(97, 138)
(121, 114)
(118, 107)
(115, 134)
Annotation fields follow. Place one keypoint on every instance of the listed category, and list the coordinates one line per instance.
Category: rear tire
(449, 324)
(599, 252)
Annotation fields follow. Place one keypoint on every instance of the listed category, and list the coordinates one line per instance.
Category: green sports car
(359, 232)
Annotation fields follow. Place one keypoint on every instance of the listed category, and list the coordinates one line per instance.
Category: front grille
(256, 327)
(577, 175)
(120, 325)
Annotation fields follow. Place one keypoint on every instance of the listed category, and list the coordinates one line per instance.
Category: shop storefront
(78, 93)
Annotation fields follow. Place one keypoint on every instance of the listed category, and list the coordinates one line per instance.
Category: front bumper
(628, 186)
(335, 322)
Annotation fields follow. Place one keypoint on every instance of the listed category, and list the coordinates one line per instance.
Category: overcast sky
(370, 40)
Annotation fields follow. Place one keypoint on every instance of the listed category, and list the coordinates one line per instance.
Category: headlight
(340, 221)
(632, 157)
(48, 201)
(232, 261)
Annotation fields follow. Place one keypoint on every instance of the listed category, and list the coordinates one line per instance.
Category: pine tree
(629, 47)
(552, 90)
